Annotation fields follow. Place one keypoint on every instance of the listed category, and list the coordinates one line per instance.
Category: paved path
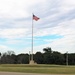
(14, 73)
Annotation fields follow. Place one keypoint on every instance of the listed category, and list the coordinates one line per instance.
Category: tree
(23, 59)
(71, 59)
(0, 57)
(38, 58)
(47, 55)
(47, 50)
(58, 58)
(10, 53)
(7, 57)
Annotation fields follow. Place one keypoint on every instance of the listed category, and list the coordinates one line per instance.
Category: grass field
(46, 69)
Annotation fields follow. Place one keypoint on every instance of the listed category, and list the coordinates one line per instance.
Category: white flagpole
(35, 18)
(32, 39)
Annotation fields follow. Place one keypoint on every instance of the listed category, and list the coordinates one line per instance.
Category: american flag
(35, 18)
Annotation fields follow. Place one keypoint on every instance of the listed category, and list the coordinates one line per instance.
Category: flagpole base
(32, 62)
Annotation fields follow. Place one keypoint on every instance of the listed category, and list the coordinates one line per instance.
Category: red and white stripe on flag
(35, 18)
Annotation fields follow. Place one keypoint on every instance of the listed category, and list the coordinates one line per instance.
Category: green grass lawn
(48, 69)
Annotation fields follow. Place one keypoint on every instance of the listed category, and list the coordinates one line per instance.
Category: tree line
(47, 57)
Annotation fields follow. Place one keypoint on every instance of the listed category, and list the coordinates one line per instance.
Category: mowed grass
(46, 69)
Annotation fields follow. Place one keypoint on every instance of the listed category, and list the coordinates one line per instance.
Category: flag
(35, 18)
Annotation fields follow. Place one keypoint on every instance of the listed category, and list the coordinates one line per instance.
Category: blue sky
(55, 28)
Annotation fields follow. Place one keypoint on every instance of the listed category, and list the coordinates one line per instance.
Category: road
(14, 73)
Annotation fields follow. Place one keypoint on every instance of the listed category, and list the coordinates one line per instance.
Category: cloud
(67, 42)
(4, 48)
(57, 17)
(13, 33)
(15, 8)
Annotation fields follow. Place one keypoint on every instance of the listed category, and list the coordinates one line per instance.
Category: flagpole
(32, 61)
(32, 39)
(36, 19)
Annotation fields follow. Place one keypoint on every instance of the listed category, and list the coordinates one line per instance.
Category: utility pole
(29, 56)
(67, 58)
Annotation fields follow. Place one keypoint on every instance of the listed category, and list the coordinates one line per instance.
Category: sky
(55, 28)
